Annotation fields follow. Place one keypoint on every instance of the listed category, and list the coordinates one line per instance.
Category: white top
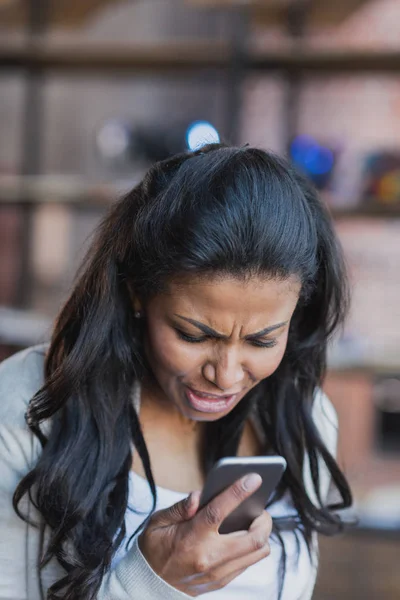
(130, 575)
(261, 580)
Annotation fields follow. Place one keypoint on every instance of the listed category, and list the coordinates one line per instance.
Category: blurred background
(93, 91)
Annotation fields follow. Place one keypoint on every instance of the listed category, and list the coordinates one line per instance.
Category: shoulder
(21, 376)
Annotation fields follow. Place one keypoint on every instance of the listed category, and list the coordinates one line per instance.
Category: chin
(204, 417)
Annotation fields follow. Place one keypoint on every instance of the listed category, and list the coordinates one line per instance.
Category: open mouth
(209, 403)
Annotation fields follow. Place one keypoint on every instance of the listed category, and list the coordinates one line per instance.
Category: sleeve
(134, 579)
(131, 579)
(326, 421)
(16, 450)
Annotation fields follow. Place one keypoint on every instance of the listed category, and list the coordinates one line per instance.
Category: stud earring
(138, 314)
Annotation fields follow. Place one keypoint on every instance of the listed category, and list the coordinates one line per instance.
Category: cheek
(269, 361)
(168, 353)
(264, 367)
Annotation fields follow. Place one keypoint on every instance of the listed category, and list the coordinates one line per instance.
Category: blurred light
(113, 140)
(320, 162)
(120, 143)
(300, 145)
(201, 133)
(381, 177)
(315, 160)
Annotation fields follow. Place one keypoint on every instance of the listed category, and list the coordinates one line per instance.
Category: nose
(225, 371)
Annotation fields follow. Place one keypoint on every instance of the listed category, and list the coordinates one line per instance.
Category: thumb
(181, 511)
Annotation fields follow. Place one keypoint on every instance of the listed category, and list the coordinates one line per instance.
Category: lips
(207, 403)
(207, 395)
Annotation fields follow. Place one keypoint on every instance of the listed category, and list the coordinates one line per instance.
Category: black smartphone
(228, 470)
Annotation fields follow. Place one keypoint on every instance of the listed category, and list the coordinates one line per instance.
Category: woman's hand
(184, 548)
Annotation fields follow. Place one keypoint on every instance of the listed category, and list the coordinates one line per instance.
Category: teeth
(211, 397)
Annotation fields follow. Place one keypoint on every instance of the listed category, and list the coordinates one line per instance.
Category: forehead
(214, 297)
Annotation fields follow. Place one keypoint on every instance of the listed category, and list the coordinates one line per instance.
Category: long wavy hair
(217, 211)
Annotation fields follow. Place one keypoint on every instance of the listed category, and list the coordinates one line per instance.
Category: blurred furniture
(269, 12)
(232, 57)
(22, 328)
(60, 12)
(361, 565)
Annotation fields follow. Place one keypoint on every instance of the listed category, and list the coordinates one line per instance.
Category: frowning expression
(209, 341)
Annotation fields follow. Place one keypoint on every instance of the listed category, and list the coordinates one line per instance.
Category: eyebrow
(208, 331)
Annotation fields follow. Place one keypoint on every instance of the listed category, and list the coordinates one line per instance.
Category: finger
(220, 575)
(229, 570)
(213, 514)
(181, 511)
(233, 547)
(262, 523)
(193, 503)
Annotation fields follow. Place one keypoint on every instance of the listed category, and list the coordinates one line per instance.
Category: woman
(197, 329)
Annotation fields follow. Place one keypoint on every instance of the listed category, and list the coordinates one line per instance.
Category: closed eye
(198, 340)
(191, 339)
(265, 344)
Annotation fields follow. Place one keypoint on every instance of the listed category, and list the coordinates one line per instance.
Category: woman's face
(210, 341)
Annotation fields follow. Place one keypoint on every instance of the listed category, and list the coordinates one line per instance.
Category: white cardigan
(133, 578)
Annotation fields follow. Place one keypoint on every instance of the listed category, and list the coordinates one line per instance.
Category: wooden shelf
(64, 13)
(368, 368)
(267, 13)
(320, 13)
(66, 190)
(326, 62)
(191, 55)
(111, 59)
(367, 211)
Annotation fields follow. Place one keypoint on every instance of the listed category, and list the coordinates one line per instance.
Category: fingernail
(251, 482)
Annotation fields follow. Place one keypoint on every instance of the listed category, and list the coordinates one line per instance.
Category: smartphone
(228, 470)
